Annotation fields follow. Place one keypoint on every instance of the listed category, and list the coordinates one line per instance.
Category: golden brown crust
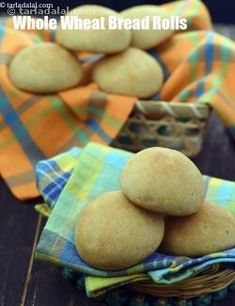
(145, 39)
(111, 233)
(164, 181)
(132, 73)
(104, 41)
(45, 68)
(211, 229)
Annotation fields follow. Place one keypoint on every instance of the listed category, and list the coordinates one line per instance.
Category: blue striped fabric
(51, 176)
(88, 175)
(14, 122)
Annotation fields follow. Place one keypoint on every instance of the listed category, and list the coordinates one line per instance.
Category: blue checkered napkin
(52, 174)
(90, 177)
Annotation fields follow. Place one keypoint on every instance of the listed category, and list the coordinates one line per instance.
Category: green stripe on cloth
(80, 135)
(97, 170)
(43, 209)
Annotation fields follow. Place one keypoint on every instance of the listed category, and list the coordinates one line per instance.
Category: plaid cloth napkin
(92, 171)
(34, 127)
(198, 66)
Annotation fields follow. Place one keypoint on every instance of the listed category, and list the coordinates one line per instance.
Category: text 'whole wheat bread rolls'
(145, 39)
(111, 233)
(94, 40)
(44, 68)
(210, 230)
(164, 181)
(132, 73)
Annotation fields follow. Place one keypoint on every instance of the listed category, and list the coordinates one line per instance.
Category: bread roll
(94, 40)
(132, 73)
(210, 230)
(164, 181)
(145, 39)
(111, 233)
(44, 68)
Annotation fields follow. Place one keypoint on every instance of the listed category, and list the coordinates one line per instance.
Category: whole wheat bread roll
(132, 73)
(111, 233)
(44, 68)
(164, 181)
(94, 40)
(210, 230)
(145, 39)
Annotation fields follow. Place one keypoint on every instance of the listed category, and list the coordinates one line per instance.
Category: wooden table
(24, 281)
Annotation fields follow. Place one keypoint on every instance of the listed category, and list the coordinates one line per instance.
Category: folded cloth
(201, 72)
(53, 174)
(96, 170)
(34, 127)
(96, 286)
(198, 67)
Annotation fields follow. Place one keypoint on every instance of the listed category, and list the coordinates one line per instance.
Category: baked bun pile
(47, 68)
(120, 229)
(160, 207)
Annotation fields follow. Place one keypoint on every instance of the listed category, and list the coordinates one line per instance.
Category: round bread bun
(94, 40)
(210, 230)
(44, 68)
(111, 233)
(145, 39)
(132, 73)
(164, 181)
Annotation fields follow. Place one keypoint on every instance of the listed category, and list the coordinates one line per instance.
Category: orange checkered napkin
(201, 68)
(35, 127)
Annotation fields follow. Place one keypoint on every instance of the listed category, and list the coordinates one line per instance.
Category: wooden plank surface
(23, 282)
(17, 230)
